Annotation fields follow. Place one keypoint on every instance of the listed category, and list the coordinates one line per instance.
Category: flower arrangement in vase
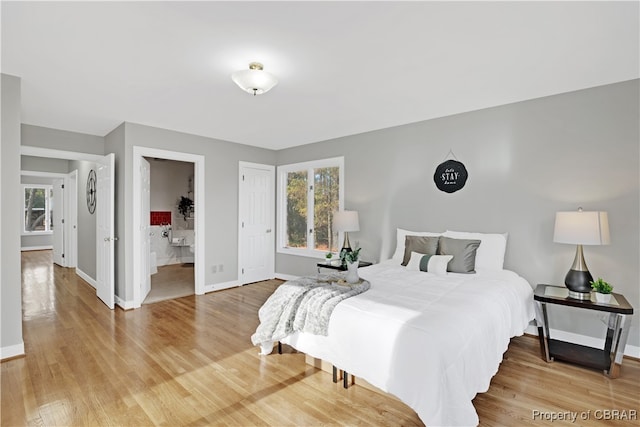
(351, 259)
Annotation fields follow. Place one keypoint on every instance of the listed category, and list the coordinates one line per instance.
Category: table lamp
(581, 228)
(346, 221)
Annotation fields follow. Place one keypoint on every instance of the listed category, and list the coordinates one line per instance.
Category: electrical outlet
(220, 268)
(214, 269)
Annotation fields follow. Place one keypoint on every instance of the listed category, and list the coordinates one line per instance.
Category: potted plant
(603, 290)
(185, 206)
(351, 259)
(328, 257)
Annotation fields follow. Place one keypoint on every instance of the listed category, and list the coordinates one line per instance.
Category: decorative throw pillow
(401, 233)
(430, 263)
(463, 251)
(422, 244)
(490, 255)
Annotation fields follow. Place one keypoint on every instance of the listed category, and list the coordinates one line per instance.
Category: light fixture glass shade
(582, 228)
(254, 80)
(346, 221)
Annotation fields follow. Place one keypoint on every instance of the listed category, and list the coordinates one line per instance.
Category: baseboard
(283, 276)
(629, 350)
(84, 276)
(125, 305)
(12, 351)
(35, 248)
(221, 286)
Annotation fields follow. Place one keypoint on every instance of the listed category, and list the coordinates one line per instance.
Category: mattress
(434, 341)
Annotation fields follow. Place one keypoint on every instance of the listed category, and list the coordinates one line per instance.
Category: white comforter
(432, 341)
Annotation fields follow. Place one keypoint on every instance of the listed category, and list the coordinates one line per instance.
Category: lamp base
(578, 283)
(580, 295)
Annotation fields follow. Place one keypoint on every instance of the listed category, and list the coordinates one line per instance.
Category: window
(308, 194)
(37, 210)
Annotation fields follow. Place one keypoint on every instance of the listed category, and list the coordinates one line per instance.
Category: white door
(145, 228)
(71, 220)
(105, 230)
(256, 227)
(57, 211)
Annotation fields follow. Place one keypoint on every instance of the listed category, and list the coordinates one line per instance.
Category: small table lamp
(581, 228)
(346, 221)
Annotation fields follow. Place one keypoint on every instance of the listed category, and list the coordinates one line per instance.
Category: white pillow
(398, 255)
(437, 263)
(490, 254)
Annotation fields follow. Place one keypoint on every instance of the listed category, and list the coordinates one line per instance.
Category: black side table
(340, 267)
(608, 359)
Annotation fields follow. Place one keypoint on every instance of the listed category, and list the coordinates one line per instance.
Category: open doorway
(50, 216)
(183, 249)
(78, 223)
(171, 228)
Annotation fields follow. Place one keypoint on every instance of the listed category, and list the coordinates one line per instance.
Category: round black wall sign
(450, 176)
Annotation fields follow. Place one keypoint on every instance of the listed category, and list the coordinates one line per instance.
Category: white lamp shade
(346, 221)
(582, 228)
(254, 81)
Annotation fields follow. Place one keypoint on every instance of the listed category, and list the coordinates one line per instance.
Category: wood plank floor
(190, 361)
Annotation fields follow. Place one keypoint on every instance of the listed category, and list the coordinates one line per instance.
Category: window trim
(282, 172)
(48, 231)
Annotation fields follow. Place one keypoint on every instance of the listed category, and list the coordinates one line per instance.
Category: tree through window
(310, 193)
(37, 208)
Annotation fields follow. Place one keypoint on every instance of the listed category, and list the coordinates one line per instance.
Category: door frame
(271, 205)
(199, 213)
(71, 216)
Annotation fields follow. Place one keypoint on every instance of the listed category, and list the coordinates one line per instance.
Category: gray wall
(11, 342)
(221, 204)
(43, 164)
(525, 162)
(86, 225)
(43, 137)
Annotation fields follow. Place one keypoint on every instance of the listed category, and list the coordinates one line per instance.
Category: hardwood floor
(189, 361)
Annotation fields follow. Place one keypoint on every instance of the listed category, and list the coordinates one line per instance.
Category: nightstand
(608, 359)
(340, 267)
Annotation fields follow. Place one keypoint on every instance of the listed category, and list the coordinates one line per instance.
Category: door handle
(106, 239)
(269, 230)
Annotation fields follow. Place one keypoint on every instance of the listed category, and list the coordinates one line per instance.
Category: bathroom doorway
(168, 201)
(171, 229)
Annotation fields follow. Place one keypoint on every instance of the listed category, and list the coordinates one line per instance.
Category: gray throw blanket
(302, 305)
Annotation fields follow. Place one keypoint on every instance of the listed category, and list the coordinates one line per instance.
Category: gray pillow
(463, 251)
(427, 245)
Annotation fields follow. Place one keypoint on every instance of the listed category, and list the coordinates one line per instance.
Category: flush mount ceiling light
(254, 80)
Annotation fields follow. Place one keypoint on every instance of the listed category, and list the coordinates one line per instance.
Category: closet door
(57, 211)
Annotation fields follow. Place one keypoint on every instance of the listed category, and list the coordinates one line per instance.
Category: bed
(431, 337)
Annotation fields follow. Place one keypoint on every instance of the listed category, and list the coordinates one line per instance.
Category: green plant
(185, 206)
(601, 286)
(329, 255)
(350, 256)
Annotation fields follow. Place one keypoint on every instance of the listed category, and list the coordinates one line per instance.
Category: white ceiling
(344, 67)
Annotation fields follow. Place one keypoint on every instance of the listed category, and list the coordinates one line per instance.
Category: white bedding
(432, 341)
